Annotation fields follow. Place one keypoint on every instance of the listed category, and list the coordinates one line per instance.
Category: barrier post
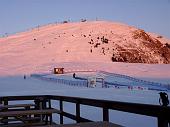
(162, 122)
(61, 109)
(78, 112)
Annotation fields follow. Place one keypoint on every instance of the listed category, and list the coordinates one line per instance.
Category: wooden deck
(28, 112)
(42, 103)
(88, 124)
(25, 117)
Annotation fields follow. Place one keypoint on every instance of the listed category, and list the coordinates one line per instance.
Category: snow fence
(82, 83)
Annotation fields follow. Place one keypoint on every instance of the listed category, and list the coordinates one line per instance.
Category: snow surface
(39, 50)
(19, 86)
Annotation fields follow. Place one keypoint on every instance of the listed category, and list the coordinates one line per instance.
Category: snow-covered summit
(93, 41)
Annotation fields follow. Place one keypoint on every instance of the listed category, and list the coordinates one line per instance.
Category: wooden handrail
(162, 113)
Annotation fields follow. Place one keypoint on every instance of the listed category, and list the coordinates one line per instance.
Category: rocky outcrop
(150, 50)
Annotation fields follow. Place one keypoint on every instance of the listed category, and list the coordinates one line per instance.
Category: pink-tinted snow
(66, 45)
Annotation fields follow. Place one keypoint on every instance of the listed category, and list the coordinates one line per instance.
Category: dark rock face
(149, 50)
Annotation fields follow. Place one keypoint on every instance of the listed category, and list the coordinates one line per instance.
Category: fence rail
(142, 84)
(162, 113)
(61, 81)
(135, 79)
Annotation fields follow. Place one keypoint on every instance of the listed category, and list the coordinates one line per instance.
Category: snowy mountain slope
(97, 41)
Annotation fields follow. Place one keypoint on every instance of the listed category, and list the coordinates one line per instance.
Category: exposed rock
(150, 50)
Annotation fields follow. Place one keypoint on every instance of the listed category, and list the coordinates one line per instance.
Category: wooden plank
(20, 119)
(8, 120)
(28, 118)
(28, 112)
(16, 106)
(25, 125)
(88, 124)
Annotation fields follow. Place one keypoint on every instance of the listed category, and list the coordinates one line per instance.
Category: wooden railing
(162, 113)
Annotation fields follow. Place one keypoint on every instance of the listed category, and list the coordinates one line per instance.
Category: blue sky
(20, 15)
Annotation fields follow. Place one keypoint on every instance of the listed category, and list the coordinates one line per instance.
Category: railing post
(1, 101)
(49, 103)
(78, 112)
(51, 116)
(61, 109)
(162, 122)
(6, 103)
(105, 114)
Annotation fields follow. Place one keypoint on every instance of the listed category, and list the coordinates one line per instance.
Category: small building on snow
(58, 70)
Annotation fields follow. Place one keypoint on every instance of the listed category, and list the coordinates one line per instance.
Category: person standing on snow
(163, 100)
(74, 75)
